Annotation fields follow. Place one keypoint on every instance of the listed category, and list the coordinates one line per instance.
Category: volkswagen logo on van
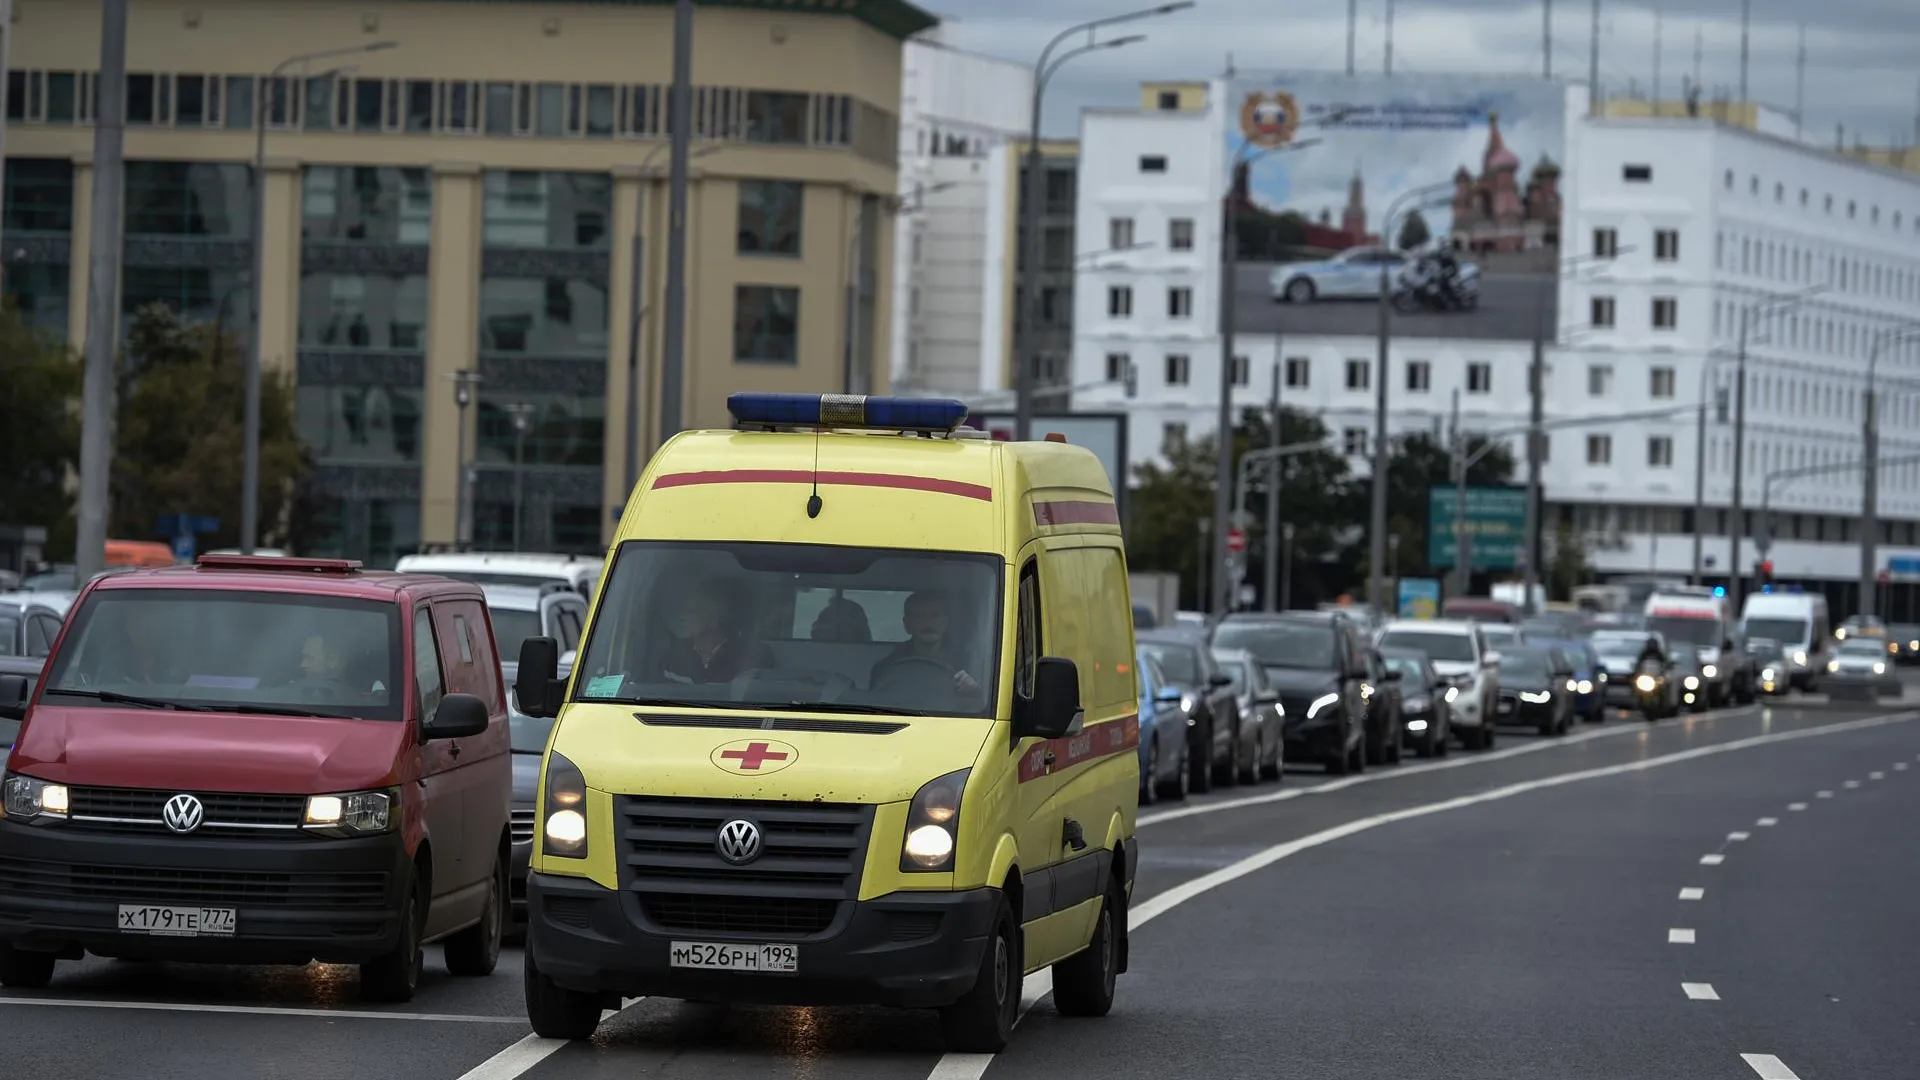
(738, 841)
(183, 813)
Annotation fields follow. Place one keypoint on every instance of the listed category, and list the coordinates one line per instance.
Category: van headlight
(1691, 682)
(933, 824)
(1324, 701)
(28, 797)
(563, 833)
(1879, 667)
(1710, 671)
(349, 814)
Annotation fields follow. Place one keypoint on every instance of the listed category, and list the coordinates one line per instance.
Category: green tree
(1413, 231)
(1566, 561)
(1417, 464)
(180, 435)
(41, 444)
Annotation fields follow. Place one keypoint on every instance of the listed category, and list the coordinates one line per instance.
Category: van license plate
(709, 956)
(177, 921)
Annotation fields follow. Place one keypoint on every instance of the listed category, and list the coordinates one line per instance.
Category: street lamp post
(1026, 351)
(463, 384)
(1270, 538)
(250, 461)
(1736, 573)
(521, 412)
(1870, 480)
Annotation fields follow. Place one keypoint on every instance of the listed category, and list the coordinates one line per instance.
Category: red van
(260, 760)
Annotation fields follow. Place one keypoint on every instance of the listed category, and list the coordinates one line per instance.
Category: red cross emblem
(754, 756)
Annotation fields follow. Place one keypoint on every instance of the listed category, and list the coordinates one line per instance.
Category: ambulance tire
(22, 970)
(1083, 984)
(556, 1012)
(981, 1022)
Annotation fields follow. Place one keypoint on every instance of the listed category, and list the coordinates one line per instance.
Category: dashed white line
(1899, 766)
(1712, 859)
(1736, 837)
(1851, 784)
(1700, 991)
(1768, 1067)
(1680, 936)
(1876, 776)
(1823, 794)
(1692, 892)
(1767, 822)
(262, 1010)
(1796, 806)
(515, 1060)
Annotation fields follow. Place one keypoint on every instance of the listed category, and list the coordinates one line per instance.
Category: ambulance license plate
(177, 921)
(751, 959)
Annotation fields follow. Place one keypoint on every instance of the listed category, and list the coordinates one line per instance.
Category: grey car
(1262, 741)
(1863, 661)
(529, 740)
(1425, 710)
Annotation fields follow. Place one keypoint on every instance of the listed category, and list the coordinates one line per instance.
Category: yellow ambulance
(854, 722)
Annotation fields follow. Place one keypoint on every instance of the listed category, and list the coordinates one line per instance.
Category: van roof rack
(279, 563)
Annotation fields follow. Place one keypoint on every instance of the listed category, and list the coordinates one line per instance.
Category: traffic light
(1766, 572)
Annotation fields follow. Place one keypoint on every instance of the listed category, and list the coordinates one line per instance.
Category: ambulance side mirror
(1054, 709)
(537, 684)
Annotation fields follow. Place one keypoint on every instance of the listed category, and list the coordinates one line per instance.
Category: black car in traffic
(1212, 708)
(1426, 713)
(1317, 661)
(1534, 689)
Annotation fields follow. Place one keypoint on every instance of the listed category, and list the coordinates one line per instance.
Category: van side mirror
(537, 684)
(458, 716)
(1054, 709)
(14, 691)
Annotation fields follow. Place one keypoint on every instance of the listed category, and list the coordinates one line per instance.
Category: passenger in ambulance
(704, 647)
(842, 622)
(925, 619)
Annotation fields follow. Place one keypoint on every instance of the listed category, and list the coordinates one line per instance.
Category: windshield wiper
(850, 707)
(112, 697)
(271, 710)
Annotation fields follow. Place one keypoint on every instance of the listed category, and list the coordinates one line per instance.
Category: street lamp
(463, 384)
(1026, 352)
(1748, 312)
(250, 467)
(1870, 456)
(521, 413)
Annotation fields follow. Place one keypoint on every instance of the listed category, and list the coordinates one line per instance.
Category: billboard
(1496, 520)
(1468, 168)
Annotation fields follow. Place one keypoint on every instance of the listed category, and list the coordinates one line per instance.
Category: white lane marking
(1692, 892)
(1736, 837)
(1767, 822)
(1714, 859)
(1823, 794)
(1796, 806)
(1876, 776)
(1679, 936)
(515, 1060)
(973, 1066)
(1851, 784)
(1768, 1067)
(1700, 991)
(261, 1010)
(1407, 770)
(1899, 766)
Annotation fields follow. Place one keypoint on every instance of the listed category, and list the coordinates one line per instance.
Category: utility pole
(103, 295)
(1593, 65)
(1223, 582)
(1746, 27)
(1353, 31)
(1388, 69)
(1800, 87)
(1462, 570)
(1658, 26)
(673, 326)
(1270, 576)
(1377, 521)
(1736, 573)
(1536, 379)
(6, 42)
(1546, 39)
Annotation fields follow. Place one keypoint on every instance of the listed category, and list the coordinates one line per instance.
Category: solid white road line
(1700, 991)
(1679, 937)
(1692, 893)
(515, 1060)
(1736, 837)
(1768, 1067)
(262, 1010)
(1767, 822)
(1713, 859)
(1796, 806)
(973, 1066)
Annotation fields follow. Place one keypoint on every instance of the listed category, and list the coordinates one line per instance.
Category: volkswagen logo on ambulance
(738, 841)
(183, 813)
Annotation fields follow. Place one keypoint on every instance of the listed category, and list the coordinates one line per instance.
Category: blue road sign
(183, 547)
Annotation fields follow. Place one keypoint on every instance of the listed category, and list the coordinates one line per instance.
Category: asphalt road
(1517, 913)
(1512, 307)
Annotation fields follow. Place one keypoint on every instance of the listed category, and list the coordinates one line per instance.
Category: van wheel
(982, 1021)
(1083, 983)
(475, 951)
(22, 970)
(396, 976)
(555, 1011)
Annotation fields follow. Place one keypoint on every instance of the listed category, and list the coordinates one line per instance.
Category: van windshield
(1789, 630)
(279, 653)
(1693, 631)
(797, 626)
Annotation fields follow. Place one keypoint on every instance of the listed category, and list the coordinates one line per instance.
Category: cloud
(1859, 70)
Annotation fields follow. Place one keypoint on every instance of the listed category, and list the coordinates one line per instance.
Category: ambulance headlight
(563, 833)
(933, 824)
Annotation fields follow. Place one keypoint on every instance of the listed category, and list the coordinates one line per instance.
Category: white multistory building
(1671, 226)
(959, 111)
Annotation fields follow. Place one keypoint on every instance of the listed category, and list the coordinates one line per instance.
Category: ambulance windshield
(797, 626)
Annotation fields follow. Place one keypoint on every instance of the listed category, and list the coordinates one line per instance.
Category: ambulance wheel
(1083, 983)
(20, 970)
(982, 1021)
(555, 1011)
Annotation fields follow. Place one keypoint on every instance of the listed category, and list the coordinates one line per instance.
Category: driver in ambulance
(925, 620)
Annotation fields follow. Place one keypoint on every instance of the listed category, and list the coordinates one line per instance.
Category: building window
(1169, 101)
(554, 210)
(177, 198)
(1120, 301)
(1173, 435)
(1117, 365)
(361, 204)
(1299, 372)
(1599, 379)
(1180, 234)
(1153, 163)
(1600, 311)
(1179, 302)
(1636, 174)
(770, 215)
(766, 324)
(1359, 374)
(1241, 371)
(1119, 233)
(544, 316)
(1353, 442)
(1660, 382)
(1666, 245)
(1479, 377)
(1666, 313)
(1419, 376)
(363, 311)
(776, 117)
(1599, 449)
(1179, 369)
(1606, 243)
(1660, 452)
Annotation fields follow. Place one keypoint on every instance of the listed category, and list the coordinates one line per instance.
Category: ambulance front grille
(808, 851)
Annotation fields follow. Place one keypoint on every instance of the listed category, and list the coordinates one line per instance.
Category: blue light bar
(847, 411)
(1719, 590)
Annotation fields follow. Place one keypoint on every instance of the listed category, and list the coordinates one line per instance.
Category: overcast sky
(1860, 67)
